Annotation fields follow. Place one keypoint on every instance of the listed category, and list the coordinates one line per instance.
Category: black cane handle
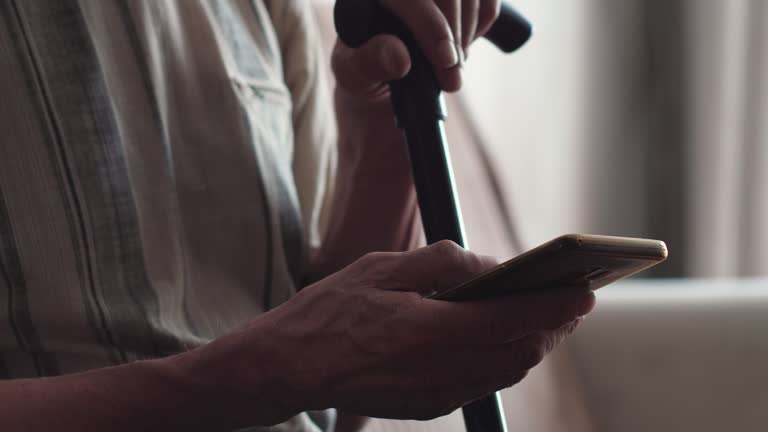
(359, 20)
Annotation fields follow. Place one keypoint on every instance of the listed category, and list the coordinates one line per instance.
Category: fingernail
(447, 54)
(460, 51)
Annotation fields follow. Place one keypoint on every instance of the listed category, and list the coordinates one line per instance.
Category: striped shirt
(163, 169)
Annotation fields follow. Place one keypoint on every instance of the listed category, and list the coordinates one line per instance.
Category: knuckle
(515, 378)
(369, 259)
(429, 409)
(494, 9)
(434, 412)
(424, 415)
(488, 13)
(533, 351)
(373, 266)
(446, 245)
(448, 409)
(477, 263)
(420, 416)
(449, 251)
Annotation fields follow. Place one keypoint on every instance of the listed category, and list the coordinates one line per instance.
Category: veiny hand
(364, 340)
(444, 29)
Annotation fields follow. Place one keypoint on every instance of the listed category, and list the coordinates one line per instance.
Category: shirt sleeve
(315, 132)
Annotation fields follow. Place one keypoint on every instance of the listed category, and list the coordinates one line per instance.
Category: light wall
(529, 106)
(637, 118)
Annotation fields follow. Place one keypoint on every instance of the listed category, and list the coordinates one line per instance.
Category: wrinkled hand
(444, 29)
(364, 340)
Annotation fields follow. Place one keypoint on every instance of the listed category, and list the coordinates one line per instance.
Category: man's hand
(364, 340)
(374, 186)
(444, 29)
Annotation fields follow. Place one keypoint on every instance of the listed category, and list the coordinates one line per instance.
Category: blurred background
(643, 118)
(635, 117)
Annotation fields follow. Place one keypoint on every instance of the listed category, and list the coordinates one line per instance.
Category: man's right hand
(364, 340)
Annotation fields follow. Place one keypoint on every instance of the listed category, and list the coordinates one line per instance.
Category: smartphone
(573, 259)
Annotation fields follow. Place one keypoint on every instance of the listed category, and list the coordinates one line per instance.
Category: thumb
(362, 70)
(439, 266)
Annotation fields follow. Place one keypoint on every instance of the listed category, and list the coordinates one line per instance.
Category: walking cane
(420, 111)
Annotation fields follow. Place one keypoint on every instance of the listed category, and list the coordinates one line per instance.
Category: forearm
(119, 398)
(374, 206)
(155, 395)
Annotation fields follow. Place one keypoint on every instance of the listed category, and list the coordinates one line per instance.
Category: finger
(482, 371)
(453, 13)
(506, 365)
(508, 318)
(437, 267)
(434, 35)
(496, 383)
(528, 352)
(382, 59)
(487, 14)
(538, 345)
(469, 14)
